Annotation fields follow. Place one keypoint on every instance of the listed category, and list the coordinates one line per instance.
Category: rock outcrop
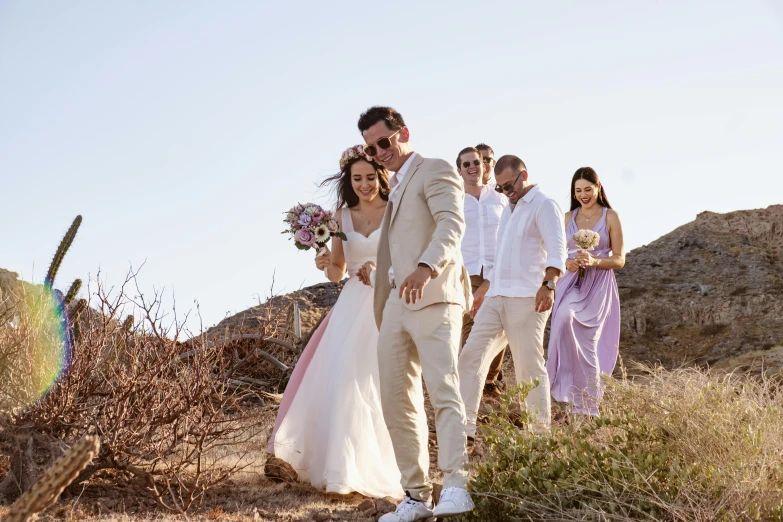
(709, 292)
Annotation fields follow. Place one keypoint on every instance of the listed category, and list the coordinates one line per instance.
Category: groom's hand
(413, 286)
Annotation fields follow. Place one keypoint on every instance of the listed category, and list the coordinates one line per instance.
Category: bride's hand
(323, 261)
(572, 265)
(364, 272)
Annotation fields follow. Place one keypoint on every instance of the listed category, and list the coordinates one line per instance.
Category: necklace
(584, 215)
(368, 214)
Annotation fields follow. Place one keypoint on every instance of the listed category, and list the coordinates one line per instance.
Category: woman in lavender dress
(585, 332)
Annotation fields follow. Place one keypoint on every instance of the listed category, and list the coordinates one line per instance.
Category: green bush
(679, 445)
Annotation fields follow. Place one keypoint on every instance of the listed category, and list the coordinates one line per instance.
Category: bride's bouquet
(310, 226)
(585, 239)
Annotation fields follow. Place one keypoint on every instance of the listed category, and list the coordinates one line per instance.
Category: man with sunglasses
(529, 258)
(421, 290)
(483, 207)
(488, 157)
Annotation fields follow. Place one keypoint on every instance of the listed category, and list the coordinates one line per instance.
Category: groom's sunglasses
(488, 159)
(384, 143)
(508, 187)
(466, 164)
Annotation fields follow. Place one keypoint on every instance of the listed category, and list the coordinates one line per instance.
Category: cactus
(75, 309)
(127, 324)
(48, 488)
(59, 255)
(72, 291)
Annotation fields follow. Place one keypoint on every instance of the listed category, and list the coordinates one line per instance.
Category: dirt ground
(249, 496)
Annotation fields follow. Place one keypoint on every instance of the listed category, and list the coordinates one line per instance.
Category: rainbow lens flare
(35, 348)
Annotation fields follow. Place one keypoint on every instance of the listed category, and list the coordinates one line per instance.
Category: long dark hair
(346, 196)
(588, 174)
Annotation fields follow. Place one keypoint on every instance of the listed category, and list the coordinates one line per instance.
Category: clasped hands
(583, 259)
(412, 288)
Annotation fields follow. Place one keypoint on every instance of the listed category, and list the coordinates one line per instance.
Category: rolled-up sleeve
(551, 225)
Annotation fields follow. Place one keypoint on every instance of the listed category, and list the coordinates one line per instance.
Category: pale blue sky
(182, 131)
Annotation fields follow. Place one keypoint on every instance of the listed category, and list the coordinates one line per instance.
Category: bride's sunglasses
(384, 143)
(466, 164)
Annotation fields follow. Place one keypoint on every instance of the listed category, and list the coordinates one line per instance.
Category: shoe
(453, 502)
(410, 510)
(499, 377)
(491, 389)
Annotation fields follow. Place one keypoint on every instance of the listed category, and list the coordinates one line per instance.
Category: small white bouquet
(585, 239)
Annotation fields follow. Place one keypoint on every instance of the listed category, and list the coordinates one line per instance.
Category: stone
(367, 507)
(322, 517)
(384, 505)
(279, 470)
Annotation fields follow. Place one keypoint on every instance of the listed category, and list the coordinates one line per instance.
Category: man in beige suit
(421, 291)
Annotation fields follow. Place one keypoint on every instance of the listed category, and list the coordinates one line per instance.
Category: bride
(332, 430)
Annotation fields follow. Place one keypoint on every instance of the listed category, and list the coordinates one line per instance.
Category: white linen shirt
(531, 238)
(395, 182)
(482, 220)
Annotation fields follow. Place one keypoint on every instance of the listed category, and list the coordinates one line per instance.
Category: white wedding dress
(334, 434)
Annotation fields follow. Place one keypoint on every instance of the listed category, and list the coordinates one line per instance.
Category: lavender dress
(585, 333)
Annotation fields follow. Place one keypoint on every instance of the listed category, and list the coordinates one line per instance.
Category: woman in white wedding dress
(333, 433)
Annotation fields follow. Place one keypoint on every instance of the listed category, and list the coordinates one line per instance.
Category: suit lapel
(403, 185)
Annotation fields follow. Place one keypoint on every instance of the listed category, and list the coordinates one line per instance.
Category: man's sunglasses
(466, 164)
(508, 187)
(488, 159)
(384, 143)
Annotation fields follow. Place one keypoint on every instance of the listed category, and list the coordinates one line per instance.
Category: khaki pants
(502, 319)
(467, 326)
(413, 343)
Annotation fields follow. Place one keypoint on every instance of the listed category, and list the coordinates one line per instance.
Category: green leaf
(342, 236)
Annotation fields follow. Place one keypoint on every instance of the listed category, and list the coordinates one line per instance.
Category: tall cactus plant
(59, 255)
(73, 291)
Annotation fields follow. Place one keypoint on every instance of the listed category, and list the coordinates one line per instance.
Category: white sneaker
(453, 502)
(410, 510)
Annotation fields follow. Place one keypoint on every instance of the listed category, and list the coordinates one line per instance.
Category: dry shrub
(177, 423)
(679, 445)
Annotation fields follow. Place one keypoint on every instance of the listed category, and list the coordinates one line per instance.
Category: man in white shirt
(483, 208)
(488, 157)
(529, 258)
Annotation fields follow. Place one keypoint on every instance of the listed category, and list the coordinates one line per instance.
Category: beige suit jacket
(425, 225)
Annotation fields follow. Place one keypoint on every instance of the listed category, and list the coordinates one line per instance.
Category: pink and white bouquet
(310, 226)
(585, 239)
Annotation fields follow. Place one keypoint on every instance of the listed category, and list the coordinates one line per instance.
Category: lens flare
(35, 346)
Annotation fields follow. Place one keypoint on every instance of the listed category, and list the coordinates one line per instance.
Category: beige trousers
(413, 343)
(467, 326)
(500, 320)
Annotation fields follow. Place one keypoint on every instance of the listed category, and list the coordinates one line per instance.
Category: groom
(421, 291)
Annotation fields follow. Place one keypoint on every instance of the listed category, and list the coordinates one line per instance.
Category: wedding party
(448, 265)
(391, 262)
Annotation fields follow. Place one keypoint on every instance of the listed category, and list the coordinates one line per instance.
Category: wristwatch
(549, 284)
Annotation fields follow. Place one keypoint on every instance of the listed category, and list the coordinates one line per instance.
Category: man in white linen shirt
(483, 208)
(530, 257)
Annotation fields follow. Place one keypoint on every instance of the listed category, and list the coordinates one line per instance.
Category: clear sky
(182, 130)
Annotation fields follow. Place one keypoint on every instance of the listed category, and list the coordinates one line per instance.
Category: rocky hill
(710, 292)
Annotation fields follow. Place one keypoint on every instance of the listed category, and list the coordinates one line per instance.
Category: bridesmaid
(585, 332)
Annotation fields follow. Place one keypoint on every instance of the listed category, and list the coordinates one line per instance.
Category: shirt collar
(531, 194)
(405, 166)
(527, 198)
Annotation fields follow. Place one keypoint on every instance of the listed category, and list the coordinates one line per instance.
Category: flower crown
(352, 153)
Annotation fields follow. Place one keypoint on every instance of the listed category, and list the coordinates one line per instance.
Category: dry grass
(674, 445)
